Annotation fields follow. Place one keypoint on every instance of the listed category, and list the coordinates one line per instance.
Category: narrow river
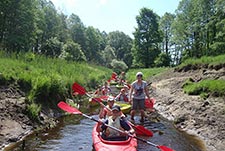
(73, 133)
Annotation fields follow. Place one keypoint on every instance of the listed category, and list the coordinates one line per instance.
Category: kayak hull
(104, 145)
(125, 107)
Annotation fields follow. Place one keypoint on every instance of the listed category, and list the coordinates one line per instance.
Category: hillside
(202, 117)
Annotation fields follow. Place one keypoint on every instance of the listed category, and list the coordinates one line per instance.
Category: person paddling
(138, 92)
(105, 111)
(122, 96)
(118, 121)
(106, 90)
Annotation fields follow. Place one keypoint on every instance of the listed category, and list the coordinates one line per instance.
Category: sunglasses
(139, 75)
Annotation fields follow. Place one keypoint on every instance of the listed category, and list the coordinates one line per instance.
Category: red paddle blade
(149, 103)
(164, 148)
(104, 97)
(113, 76)
(141, 130)
(64, 106)
(78, 89)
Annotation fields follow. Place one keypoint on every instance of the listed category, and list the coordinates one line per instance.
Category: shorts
(138, 104)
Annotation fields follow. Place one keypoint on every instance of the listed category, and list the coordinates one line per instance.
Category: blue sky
(112, 15)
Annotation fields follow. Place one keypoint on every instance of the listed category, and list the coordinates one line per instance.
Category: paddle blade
(149, 103)
(78, 89)
(141, 130)
(114, 76)
(66, 107)
(164, 148)
(104, 97)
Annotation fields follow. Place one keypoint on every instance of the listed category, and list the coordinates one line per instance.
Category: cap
(139, 73)
(111, 98)
(116, 107)
(122, 90)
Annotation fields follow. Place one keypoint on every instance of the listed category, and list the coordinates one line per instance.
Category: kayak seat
(116, 138)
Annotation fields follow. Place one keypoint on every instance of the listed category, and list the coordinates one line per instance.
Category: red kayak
(104, 145)
(149, 103)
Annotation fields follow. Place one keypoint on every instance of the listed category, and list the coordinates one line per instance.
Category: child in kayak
(105, 111)
(118, 121)
(122, 96)
(106, 90)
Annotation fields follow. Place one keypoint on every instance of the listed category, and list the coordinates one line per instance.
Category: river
(73, 133)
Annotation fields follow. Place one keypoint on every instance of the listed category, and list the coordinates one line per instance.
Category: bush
(33, 111)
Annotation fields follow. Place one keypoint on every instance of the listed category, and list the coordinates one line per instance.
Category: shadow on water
(73, 133)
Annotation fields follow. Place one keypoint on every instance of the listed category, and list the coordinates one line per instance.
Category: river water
(73, 133)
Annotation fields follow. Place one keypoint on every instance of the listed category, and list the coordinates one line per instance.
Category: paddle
(140, 130)
(64, 106)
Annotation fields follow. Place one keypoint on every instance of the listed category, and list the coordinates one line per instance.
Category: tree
(52, 47)
(165, 26)
(163, 60)
(108, 55)
(146, 38)
(77, 31)
(218, 47)
(118, 66)
(93, 44)
(72, 52)
(17, 25)
(122, 45)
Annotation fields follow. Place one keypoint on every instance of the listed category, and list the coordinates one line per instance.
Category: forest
(196, 29)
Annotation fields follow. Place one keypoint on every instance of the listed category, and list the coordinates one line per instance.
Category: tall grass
(204, 60)
(48, 80)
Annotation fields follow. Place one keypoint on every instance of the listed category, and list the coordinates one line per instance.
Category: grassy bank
(209, 87)
(205, 60)
(47, 80)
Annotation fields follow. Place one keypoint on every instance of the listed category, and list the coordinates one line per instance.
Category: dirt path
(204, 118)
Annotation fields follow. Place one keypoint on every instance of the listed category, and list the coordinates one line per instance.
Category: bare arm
(130, 94)
(147, 92)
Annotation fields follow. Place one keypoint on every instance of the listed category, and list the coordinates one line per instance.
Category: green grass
(205, 88)
(147, 72)
(204, 60)
(47, 80)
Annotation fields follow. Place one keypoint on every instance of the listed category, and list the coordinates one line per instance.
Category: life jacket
(115, 123)
(105, 90)
(122, 98)
(107, 113)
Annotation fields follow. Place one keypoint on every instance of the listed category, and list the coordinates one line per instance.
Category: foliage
(146, 38)
(213, 87)
(108, 55)
(33, 111)
(118, 66)
(72, 52)
(49, 80)
(122, 45)
(147, 72)
(196, 29)
(204, 60)
(163, 60)
(52, 47)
